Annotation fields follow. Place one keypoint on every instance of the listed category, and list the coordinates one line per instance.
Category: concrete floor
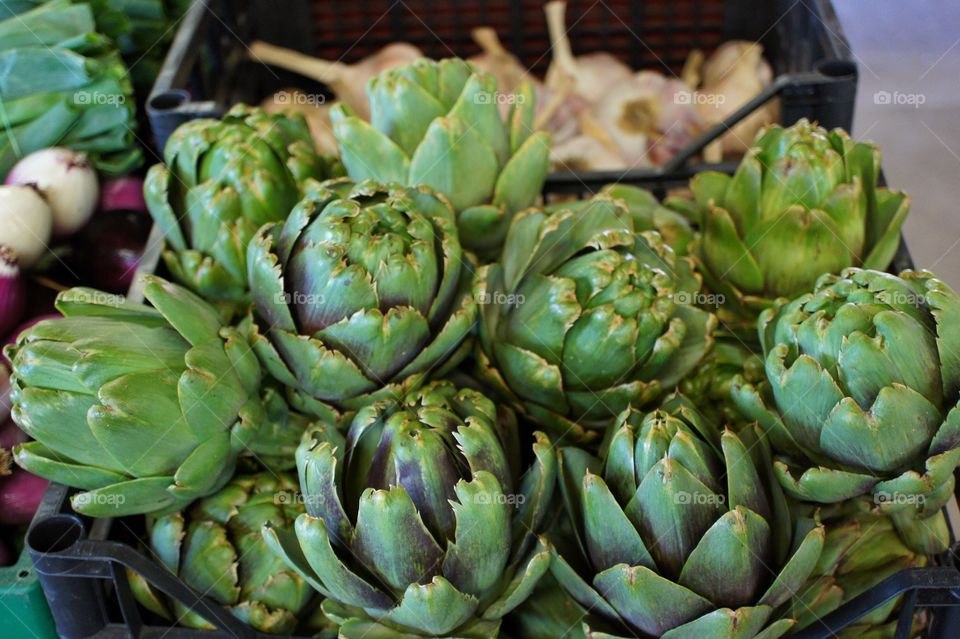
(913, 48)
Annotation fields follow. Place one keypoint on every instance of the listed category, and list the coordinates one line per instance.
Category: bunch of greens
(63, 83)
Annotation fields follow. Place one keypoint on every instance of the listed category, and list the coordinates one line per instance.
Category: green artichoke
(710, 385)
(360, 295)
(144, 408)
(421, 521)
(650, 215)
(680, 533)
(861, 549)
(802, 202)
(861, 391)
(216, 547)
(584, 317)
(224, 179)
(439, 124)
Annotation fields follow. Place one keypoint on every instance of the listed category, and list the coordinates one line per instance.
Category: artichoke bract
(861, 549)
(680, 532)
(222, 180)
(216, 547)
(710, 385)
(861, 391)
(421, 521)
(146, 409)
(803, 202)
(584, 317)
(361, 294)
(439, 124)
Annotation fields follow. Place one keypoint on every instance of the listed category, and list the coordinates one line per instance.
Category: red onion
(26, 222)
(20, 495)
(67, 181)
(12, 291)
(110, 248)
(11, 435)
(124, 193)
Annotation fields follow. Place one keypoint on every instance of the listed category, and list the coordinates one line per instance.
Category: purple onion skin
(110, 248)
(11, 435)
(20, 496)
(13, 292)
(122, 194)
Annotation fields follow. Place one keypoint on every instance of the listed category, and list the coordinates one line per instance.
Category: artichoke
(360, 295)
(217, 549)
(584, 317)
(224, 179)
(650, 215)
(710, 385)
(861, 391)
(419, 521)
(439, 124)
(802, 202)
(144, 408)
(680, 533)
(861, 549)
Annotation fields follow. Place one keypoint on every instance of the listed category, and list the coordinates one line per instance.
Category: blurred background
(909, 102)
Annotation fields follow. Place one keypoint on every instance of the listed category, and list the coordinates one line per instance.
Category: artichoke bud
(361, 293)
(216, 547)
(681, 510)
(121, 378)
(875, 350)
(420, 499)
(203, 201)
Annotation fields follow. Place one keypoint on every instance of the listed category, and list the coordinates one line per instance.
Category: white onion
(26, 223)
(66, 180)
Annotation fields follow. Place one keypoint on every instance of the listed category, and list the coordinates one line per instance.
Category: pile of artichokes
(712, 416)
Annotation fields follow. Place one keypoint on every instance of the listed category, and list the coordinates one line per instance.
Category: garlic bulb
(649, 118)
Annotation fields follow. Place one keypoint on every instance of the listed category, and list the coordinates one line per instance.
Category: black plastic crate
(208, 66)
